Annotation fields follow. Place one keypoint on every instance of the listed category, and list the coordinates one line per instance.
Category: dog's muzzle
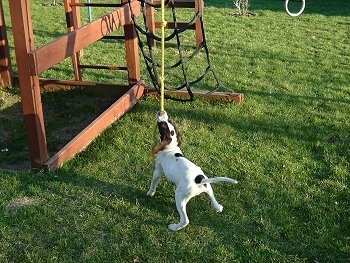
(162, 116)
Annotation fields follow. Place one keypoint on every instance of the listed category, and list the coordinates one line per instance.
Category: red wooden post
(73, 22)
(132, 52)
(150, 22)
(199, 6)
(28, 82)
(5, 61)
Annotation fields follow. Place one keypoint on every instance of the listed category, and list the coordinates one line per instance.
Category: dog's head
(169, 134)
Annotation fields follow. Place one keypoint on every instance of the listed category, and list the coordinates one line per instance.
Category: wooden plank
(171, 25)
(29, 84)
(178, 4)
(52, 53)
(73, 23)
(207, 95)
(71, 84)
(102, 89)
(85, 137)
(150, 22)
(132, 51)
(199, 7)
(95, 5)
(103, 67)
(5, 61)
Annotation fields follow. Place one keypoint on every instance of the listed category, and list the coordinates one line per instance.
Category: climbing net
(149, 52)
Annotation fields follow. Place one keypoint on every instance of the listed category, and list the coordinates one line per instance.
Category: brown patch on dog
(178, 134)
(165, 136)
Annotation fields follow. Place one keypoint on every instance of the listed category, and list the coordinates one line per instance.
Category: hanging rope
(162, 78)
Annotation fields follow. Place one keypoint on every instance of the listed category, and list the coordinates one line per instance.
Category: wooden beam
(132, 51)
(49, 84)
(178, 4)
(29, 84)
(52, 53)
(109, 90)
(73, 23)
(85, 137)
(171, 25)
(5, 61)
(205, 94)
(199, 7)
(150, 22)
(95, 5)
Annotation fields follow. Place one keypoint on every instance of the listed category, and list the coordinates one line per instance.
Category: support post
(199, 6)
(28, 82)
(132, 52)
(5, 61)
(73, 22)
(150, 22)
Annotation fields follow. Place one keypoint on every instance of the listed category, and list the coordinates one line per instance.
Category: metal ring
(295, 14)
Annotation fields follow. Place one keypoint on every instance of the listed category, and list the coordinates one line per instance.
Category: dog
(189, 179)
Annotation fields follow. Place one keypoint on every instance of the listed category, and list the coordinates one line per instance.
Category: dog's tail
(201, 180)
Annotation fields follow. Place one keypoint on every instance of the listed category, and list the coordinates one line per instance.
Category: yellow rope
(162, 78)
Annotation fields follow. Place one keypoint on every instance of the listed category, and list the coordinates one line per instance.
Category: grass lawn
(287, 145)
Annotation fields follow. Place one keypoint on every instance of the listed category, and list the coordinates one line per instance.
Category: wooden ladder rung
(114, 37)
(103, 67)
(95, 5)
(171, 25)
(189, 4)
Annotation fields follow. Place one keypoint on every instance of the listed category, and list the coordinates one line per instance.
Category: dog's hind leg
(181, 199)
(214, 204)
(155, 179)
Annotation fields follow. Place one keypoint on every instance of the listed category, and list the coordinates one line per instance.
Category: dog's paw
(151, 193)
(218, 208)
(175, 227)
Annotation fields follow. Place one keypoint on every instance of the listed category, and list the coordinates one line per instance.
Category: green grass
(287, 145)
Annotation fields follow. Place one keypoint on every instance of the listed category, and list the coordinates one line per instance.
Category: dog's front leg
(155, 179)
(181, 199)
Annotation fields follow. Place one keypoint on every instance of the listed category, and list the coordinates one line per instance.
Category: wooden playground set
(31, 61)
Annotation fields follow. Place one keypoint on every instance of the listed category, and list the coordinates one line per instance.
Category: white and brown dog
(188, 177)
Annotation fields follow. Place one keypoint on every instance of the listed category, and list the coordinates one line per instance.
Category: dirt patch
(15, 205)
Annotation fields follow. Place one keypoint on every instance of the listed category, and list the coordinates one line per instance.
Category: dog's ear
(160, 147)
(164, 131)
(178, 134)
(165, 137)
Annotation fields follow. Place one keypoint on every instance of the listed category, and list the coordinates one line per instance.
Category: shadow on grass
(66, 113)
(13, 145)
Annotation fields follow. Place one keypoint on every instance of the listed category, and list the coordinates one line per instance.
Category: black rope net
(179, 70)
